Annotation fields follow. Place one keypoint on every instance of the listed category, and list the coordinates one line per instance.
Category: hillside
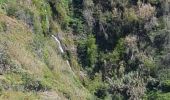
(84, 50)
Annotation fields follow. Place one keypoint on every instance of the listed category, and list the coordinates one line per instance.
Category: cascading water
(61, 48)
(59, 44)
(62, 51)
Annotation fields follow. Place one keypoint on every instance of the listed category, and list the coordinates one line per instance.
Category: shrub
(91, 51)
(154, 1)
(87, 51)
(118, 51)
(146, 11)
(32, 84)
(3, 27)
(149, 63)
(44, 13)
(61, 12)
(37, 17)
(2, 8)
(158, 96)
(37, 27)
(38, 45)
(165, 86)
(131, 86)
(77, 26)
(130, 15)
(4, 61)
(164, 74)
(95, 85)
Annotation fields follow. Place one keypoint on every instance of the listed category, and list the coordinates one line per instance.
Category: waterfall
(61, 49)
(68, 63)
(59, 44)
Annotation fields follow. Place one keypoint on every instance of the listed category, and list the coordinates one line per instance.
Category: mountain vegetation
(113, 49)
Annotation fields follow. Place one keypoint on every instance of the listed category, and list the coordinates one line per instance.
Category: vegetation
(113, 49)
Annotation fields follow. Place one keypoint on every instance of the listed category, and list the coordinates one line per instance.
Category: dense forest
(84, 49)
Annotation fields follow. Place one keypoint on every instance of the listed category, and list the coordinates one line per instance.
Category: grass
(50, 68)
(35, 60)
(15, 95)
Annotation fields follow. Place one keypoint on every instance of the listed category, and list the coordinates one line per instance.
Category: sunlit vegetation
(116, 49)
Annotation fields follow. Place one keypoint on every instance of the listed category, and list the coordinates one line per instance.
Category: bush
(31, 84)
(149, 63)
(3, 27)
(87, 51)
(4, 61)
(165, 86)
(61, 12)
(146, 11)
(96, 86)
(91, 51)
(154, 1)
(37, 17)
(77, 26)
(163, 74)
(158, 96)
(130, 15)
(38, 45)
(130, 86)
(44, 11)
(118, 52)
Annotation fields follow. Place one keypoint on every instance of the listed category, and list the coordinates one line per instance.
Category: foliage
(97, 87)
(149, 63)
(36, 65)
(119, 47)
(31, 84)
(91, 51)
(158, 96)
(88, 52)
(4, 60)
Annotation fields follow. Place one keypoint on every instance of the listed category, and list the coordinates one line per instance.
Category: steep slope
(85, 49)
(32, 63)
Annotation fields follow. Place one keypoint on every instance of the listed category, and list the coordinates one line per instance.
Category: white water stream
(61, 50)
(59, 44)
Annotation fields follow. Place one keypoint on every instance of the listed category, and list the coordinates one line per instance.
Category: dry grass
(57, 74)
(15, 95)
(146, 11)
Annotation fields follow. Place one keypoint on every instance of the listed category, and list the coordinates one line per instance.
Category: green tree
(91, 51)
